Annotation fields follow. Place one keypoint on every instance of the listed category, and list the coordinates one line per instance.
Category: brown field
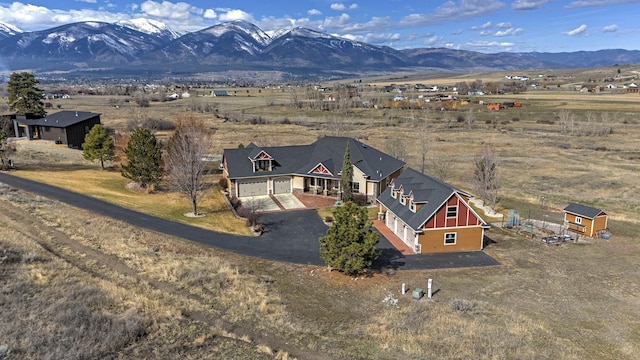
(159, 297)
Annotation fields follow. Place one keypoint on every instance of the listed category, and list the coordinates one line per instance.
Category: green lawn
(110, 186)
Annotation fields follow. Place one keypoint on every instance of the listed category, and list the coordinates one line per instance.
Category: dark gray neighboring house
(315, 168)
(67, 127)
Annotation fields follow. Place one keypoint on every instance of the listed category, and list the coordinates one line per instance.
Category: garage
(282, 186)
(252, 187)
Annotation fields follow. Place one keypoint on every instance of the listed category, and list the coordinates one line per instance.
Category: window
(263, 165)
(450, 238)
(578, 220)
(413, 206)
(355, 187)
(403, 200)
(452, 211)
(394, 194)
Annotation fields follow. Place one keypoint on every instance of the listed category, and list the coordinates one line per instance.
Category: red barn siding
(465, 217)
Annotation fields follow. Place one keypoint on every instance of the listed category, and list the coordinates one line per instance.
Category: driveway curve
(292, 236)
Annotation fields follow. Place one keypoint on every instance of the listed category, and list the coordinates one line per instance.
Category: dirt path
(112, 269)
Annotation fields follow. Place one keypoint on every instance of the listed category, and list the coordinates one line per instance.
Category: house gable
(455, 212)
(320, 169)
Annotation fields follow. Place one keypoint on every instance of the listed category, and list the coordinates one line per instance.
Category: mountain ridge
(151, 46)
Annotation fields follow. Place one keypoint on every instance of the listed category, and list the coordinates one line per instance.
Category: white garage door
(252, 188)
(282, 186)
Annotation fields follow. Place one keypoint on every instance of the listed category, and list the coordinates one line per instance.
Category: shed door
(282, 186)
(252, 188)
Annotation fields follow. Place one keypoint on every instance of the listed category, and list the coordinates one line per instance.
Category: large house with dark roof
(430, 215)
(585, 220)
(64, 127)
(315, 168)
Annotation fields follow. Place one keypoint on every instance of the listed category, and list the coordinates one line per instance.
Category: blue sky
(479, 25)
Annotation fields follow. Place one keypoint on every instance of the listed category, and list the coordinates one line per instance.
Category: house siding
(467, 239)
(465, 217)
(586, 222)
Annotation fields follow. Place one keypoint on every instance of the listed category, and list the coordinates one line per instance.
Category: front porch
(322, 186)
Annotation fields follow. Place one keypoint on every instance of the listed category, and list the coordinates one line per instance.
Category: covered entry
(252, 187)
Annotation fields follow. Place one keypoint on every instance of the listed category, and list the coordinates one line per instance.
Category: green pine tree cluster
(98, 145)
(24, 95)
(144, 159)
(350, 243)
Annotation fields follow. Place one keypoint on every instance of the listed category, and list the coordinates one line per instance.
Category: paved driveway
(292, 236)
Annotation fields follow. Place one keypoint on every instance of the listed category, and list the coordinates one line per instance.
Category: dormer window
(412, 206)
(403, 200)
(394, 194)
(263, 165)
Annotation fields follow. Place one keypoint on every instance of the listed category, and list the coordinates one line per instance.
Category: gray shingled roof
(302, 159)
(583, 210)
(61, 119)
(425, 189)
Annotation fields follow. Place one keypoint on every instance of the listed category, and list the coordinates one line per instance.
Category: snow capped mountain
(240, 27)
(7, 30)
(148, 46)
(84, 41)
(151, 27)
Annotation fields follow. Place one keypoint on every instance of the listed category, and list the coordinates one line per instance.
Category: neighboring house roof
(583, 210)
(61, 119)
(426, 190)
(304, 159)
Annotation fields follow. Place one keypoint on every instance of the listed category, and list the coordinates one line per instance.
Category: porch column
(324, 187)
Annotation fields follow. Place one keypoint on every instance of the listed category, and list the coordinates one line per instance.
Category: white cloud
(236, 15)
(588, 3)
(503, 25)
(580, 30)
(353, 6)
(169, 10)
(451, 11)
(509, 32)
(457, 32)
(210, 14)
(610, 28)
(490, 45)
(486, 25)
(88, 1)
(338, 7)
(374, 38)
(314, 12)
(528, 4)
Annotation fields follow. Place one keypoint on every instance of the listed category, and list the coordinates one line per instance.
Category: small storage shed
(585, 220)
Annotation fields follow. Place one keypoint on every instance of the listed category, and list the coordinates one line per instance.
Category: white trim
(455, 238)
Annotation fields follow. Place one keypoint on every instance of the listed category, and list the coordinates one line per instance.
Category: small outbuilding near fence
(585, 220)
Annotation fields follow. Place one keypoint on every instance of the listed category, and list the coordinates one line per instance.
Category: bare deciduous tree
(442, 166)
(252, 209)
(186, 158)
(424, 140)
(470, 118)
(396, 147)
(566, 122)
(485, 174)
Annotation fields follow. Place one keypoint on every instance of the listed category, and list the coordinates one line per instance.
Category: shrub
(285, 121)
(235, 202)
(488, 121)
(222, 182)
(360, 199)
(328, 219)
(460, 118)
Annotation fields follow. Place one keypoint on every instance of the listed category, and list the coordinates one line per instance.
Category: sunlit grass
(110, 186)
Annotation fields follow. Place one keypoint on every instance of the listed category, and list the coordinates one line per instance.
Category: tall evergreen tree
(144, 159)
(98, 145)
(347, 176)
(24, 95)
(350, 245)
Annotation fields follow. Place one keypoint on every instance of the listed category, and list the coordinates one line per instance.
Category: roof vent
(76, 113)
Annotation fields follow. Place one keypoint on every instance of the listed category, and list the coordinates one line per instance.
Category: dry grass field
(141, 295)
